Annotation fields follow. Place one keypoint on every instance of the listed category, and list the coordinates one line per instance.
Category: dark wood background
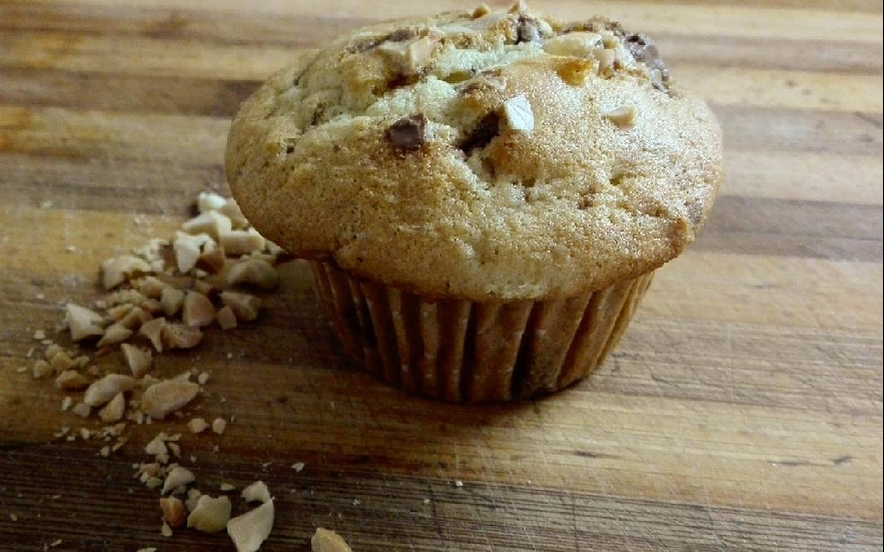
(742, 411)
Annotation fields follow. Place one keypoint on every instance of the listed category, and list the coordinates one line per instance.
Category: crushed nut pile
(160, 297)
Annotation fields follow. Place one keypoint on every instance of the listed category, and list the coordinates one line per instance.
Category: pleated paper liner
(464, 351)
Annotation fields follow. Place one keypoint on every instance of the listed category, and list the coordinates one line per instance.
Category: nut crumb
(197, 310)
(232, 211)
(42, 369)
(244, 306)
(298, 466)
(153, 331)
(197, 425)
(114, 334)
(113, 411)
(212, 223)
(256, 492)
(188, 249)
(226, 319)
(150, 286)
(157, 446)
(324, 540)
(62, 361)
(253, 271)
(181, 336)
(82, 410)
(82, 322)
(209, 201)
(219, 425)
(193, 496)
(106, 388)
(174, 511)
(139, 360)
(177, 477)
(163, 398)
(251, 529)
(174, 449)
(117, 270)
(71, 380)
(134, 318)
(171, 300)
(212, 260)
(210, 514)
(241, 242)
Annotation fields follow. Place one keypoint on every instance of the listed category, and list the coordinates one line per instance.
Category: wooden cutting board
(742, 411)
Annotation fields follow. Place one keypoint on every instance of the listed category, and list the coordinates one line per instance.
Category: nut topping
(623, 116)
(519, 114)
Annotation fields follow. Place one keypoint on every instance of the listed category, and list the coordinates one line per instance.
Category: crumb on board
(149, 307)
(248, 531)
(210, 515)
(325, 540)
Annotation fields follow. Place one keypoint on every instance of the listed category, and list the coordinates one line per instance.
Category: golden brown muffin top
(482, 155)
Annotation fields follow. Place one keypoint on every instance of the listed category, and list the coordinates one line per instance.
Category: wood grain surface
(742, 411)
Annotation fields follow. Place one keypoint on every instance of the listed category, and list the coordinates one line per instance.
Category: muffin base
(465, 351)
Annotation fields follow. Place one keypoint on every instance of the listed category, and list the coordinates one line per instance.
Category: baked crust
(479, 155)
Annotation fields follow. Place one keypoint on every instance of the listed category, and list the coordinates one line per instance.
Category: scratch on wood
(590, 454)
(790, 463)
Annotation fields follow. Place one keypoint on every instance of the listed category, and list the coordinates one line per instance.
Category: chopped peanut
(210, 515)
(165, 397)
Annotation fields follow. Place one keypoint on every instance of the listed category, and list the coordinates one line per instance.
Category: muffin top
(479, 154)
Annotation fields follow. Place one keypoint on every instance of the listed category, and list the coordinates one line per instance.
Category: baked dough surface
(481, 155)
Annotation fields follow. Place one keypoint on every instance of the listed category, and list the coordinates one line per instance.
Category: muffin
(483, 196)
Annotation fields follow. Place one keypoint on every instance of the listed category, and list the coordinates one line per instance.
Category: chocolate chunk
(318, 115)
(645, 51)
(400, 80)
(595, 25)
(527, 29)
(483, 82)
(642, 47)
(399, 35)
(408, 132)
(482, 134)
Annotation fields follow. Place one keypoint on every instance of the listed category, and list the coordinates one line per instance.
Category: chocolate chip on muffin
(409, 132)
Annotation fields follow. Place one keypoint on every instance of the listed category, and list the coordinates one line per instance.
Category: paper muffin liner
(465, 351)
